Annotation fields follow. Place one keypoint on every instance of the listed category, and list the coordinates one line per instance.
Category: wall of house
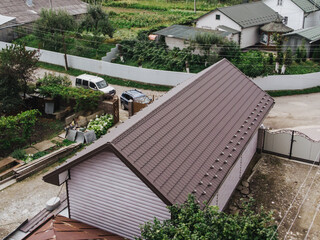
(249, 37)
(105, 193)
(313, 19)
(295, 41)
(7, 33)
(226, 189)
(180, 43)
(288, 9)
(209, 21)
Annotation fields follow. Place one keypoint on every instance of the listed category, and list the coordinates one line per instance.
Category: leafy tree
(230, 50)
(288, 57)
(17, 65)
(316, 54)
(52, 26)
(97, 22)
(188, 221)
(270, 58)
(206, 42)
(249, 59)
(298, 55)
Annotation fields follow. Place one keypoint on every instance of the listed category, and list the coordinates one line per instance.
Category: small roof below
(250, 14)
(60, 227)
(185, 32)
(5, 19)
(308, 5)
(312, 34)
(28, 13)
(276, 27)
(227, 29)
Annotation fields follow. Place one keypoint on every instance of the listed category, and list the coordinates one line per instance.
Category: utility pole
(195, 7)
(50, 4)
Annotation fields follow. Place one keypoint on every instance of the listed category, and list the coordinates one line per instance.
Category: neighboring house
(244, 20)
(198, 138)
(6, 31)
(180, 36)
(297, 14)
(310, 37)
(27, 11)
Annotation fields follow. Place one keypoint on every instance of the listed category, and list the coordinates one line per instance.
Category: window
(285, 20)
(78, 82)
(92, 85)
(218, 17)
(85, 83)
(279, 2)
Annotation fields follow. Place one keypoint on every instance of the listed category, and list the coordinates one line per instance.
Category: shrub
(288, 57)
(101, 124)
(249, 59)
(19, 154)
(51, 79)
(188, 221)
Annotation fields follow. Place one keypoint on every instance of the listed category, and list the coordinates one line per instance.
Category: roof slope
(276, 26)
(308, 5)
(250, 14)
(26, 14)
(185, 32)
(312, 33)
(62, 228)
(188, 140)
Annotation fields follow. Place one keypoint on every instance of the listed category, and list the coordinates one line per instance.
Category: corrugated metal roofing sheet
(5, 19)
(308, 5)
(312, 34)
(188, 140)
(25, 14)
(62, 228)
(250, 14)
(185, 32)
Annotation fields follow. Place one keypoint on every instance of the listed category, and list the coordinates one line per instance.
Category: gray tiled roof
(250, 14)
(190, 138)
(308, 5)
(185, 32)
(25, 14)
(312, 33)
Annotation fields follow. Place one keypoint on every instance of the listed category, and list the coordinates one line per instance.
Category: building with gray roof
(245, 19)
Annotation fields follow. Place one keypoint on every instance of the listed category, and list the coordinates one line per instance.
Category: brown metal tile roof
(188, 140)
(62, 228)
(26, 14)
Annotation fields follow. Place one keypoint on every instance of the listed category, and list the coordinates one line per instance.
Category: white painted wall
(249, 37)
(288, 9)
(209, 21)
(137, 74)
(105, 193)
(176, 42)
(230, 183)
(313, 19)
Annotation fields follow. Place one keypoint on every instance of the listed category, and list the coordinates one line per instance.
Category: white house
(244, 20)
(297, 14)
(198, 138)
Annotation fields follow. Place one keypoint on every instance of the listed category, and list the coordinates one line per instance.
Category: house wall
(105, 193)
(295, 41)
(181, 44)
(288, 9)
(249, 37)
(225, 191)
(313, 19)
(7, 33)
(209, 21)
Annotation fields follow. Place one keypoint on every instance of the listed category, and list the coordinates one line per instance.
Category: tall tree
(97, 22)
(16, 67)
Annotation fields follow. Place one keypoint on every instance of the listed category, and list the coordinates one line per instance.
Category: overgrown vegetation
(16, 67)
(15, 131)
(188, 221)
(101, 124)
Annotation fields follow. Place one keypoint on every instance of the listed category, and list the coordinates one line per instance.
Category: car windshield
(102, 84)
(142, 99)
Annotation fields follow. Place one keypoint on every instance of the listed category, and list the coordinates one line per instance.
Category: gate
(291, 144)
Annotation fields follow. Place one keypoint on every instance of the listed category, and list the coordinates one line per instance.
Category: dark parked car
(134, 95)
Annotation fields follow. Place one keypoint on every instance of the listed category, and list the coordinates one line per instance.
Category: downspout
(304, 18)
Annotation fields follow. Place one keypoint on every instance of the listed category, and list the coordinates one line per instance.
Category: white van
(94, 83)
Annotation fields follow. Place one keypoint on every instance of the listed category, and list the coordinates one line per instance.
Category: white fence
(137, 74)
(288, 82)
(169, 78)
(291, 144)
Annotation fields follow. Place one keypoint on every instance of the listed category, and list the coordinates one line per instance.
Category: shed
(246, 19)
(276, 27)
(6, 31)
(310, 37)
(198, 138)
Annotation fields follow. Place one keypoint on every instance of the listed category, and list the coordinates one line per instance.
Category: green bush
(288, 57)
(101, 124)
(15, 131)
(249, 59)
(316, 54)
(189, 222)
(19, 154)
